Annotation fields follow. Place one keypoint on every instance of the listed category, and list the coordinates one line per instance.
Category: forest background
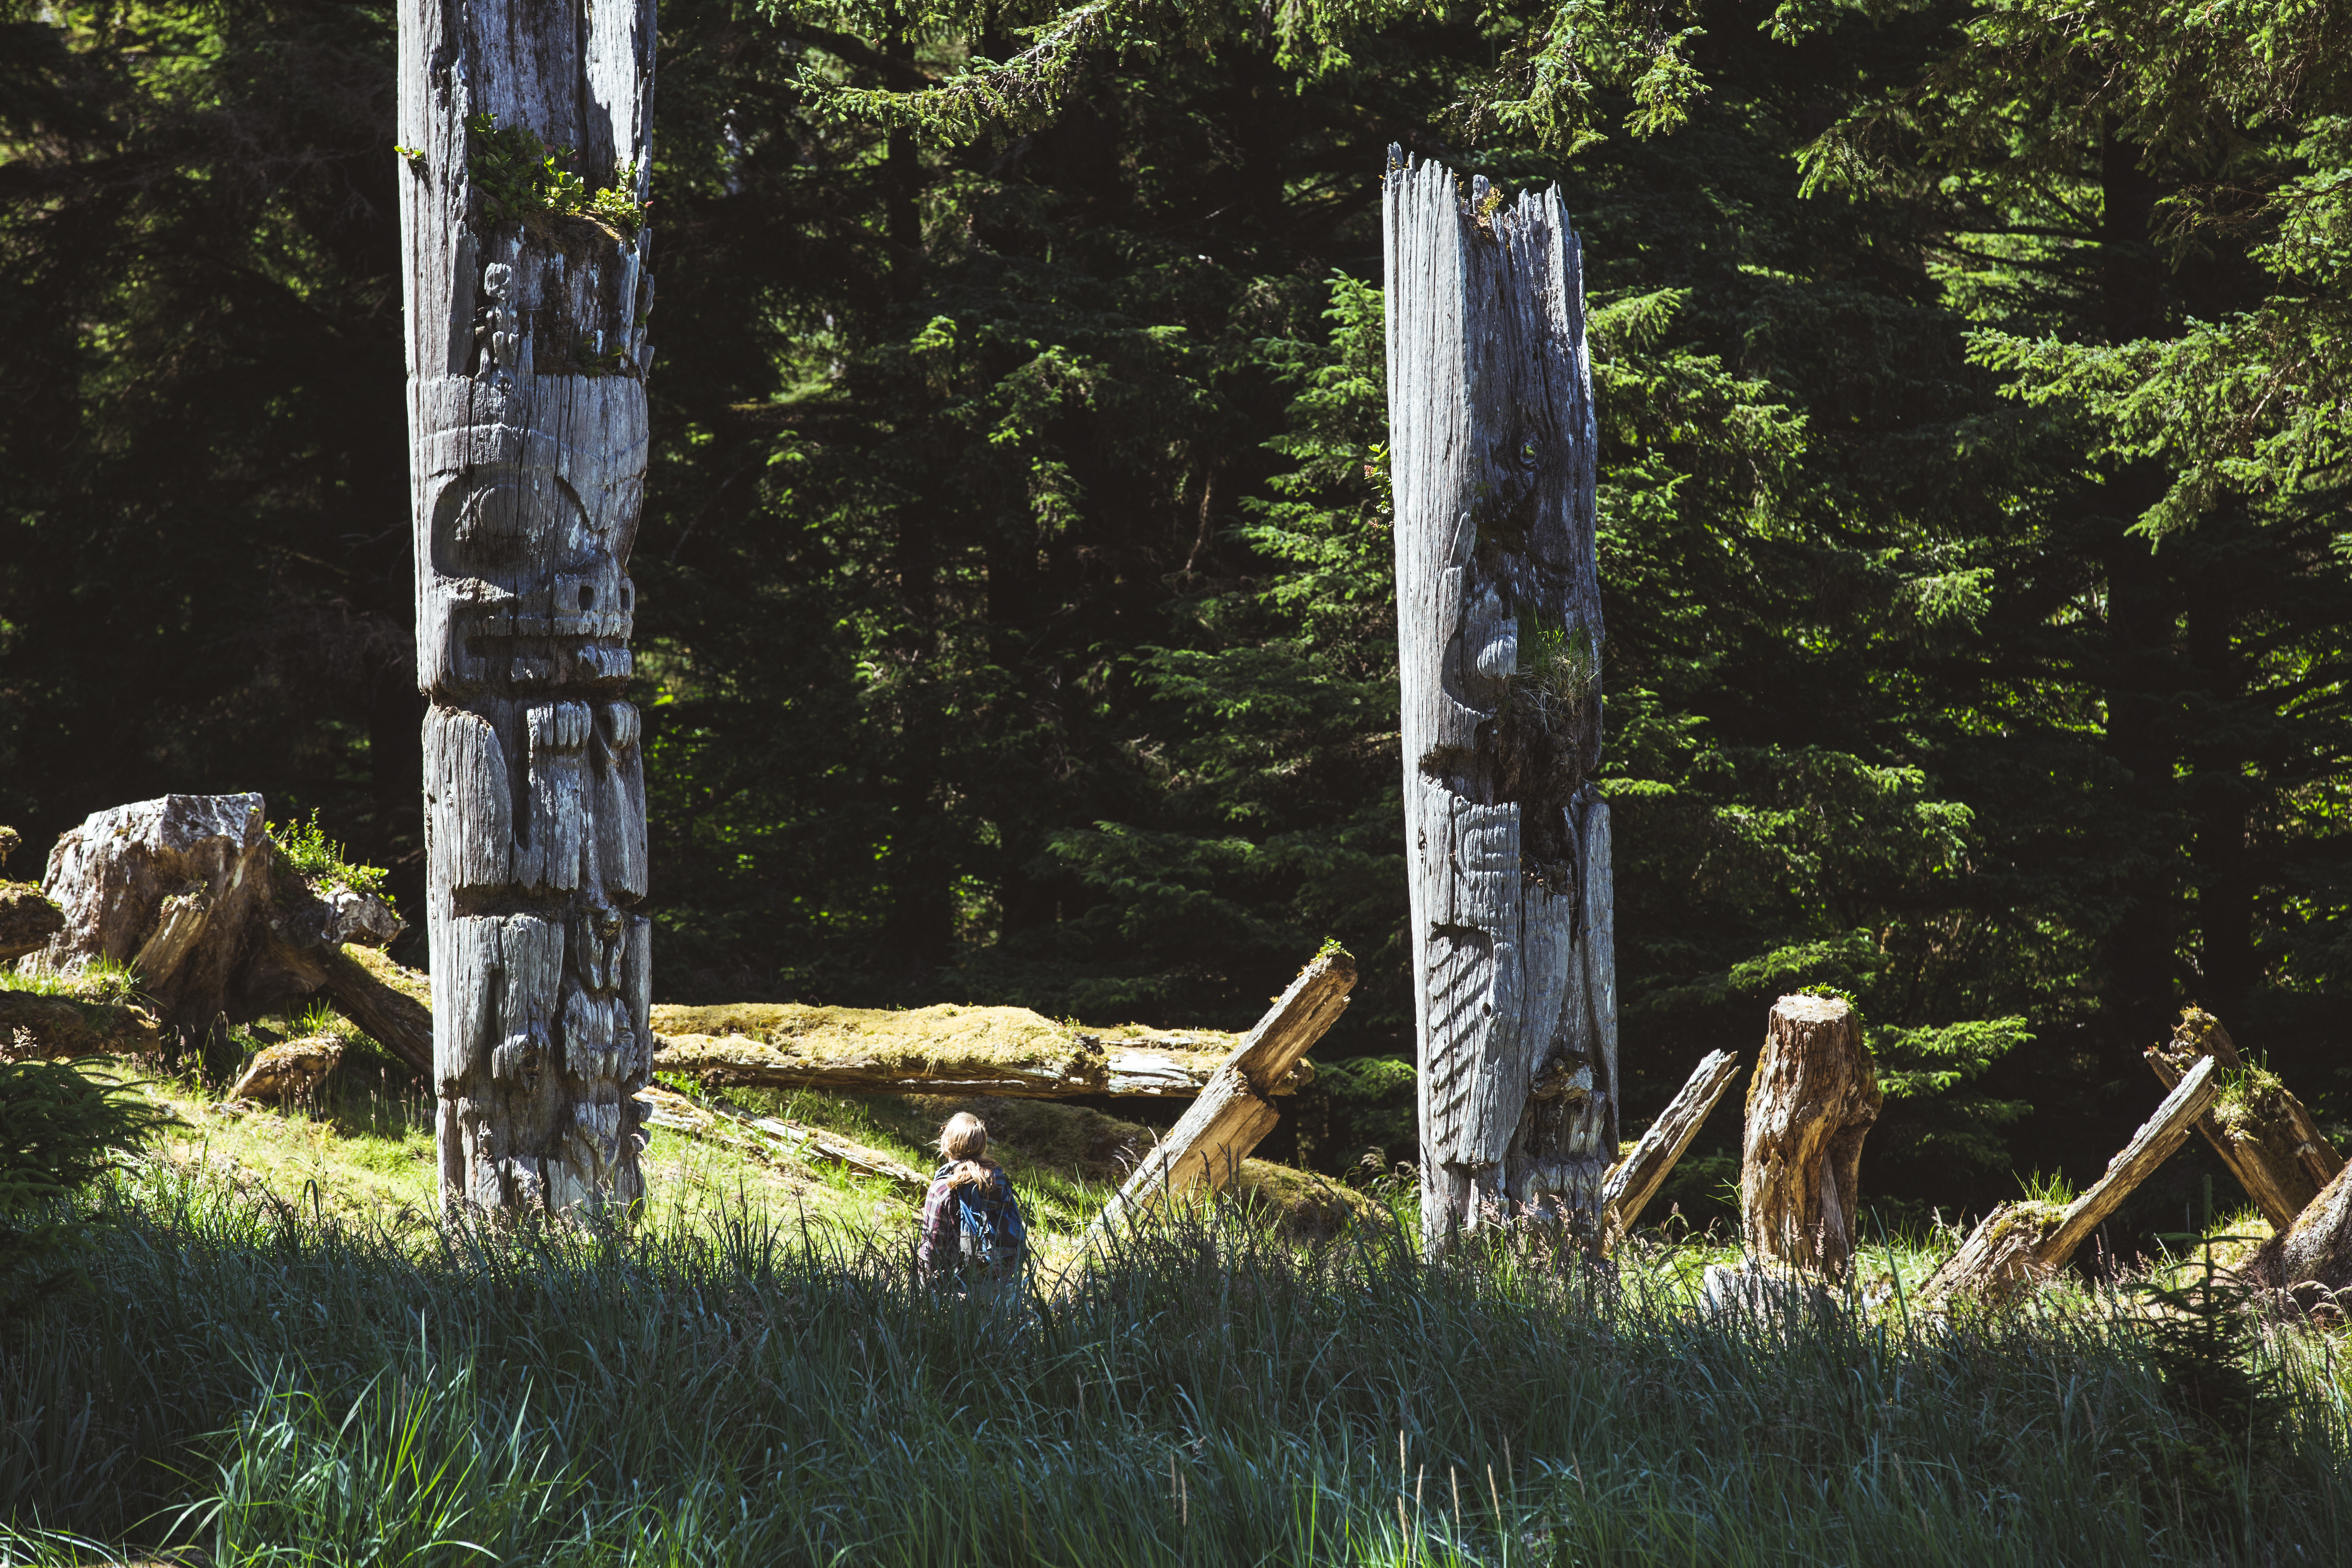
(1016, 608)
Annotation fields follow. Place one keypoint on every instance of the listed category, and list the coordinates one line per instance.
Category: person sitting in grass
(971, 1221)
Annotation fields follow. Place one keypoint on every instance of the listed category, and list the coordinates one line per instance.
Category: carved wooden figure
(1499, 627)
(527, 422)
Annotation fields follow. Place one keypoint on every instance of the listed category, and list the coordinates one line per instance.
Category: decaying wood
(1235, 1111)
(1499, 638)
(2019, 1244)
(288, 1069)
(946, 1049)
(28, 918)
(2260, 1129)
(1812, 1102)
(2310, 1259)
(392, 1005)
(1636, 1178)
(528, 436)
(772, 1139)
(33, 1025)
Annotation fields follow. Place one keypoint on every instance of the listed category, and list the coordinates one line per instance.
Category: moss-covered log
(944, 1049)
(2310, 1259)
(2259, 1128)
(53, 1026)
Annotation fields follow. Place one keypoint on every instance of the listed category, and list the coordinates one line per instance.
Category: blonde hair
(963, 1141)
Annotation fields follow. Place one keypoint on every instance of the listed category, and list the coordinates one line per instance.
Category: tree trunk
(1813, 1100)
(1638, 1176)
(2260, 1130)
(527, 422)
(1499, 639)
(1235, 1111)
(2019, 1244)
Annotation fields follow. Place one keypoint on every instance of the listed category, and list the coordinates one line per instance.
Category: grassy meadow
(276, 1357)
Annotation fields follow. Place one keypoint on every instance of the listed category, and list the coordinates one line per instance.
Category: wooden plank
(2019, 1244)
(1636, 1178)
(1209, 1142)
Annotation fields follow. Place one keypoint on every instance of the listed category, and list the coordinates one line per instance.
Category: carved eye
(587, 596)
(483, 525)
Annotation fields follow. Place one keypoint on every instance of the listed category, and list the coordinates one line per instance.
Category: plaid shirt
(939, 1247)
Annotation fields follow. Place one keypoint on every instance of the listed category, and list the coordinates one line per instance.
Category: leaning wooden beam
(1209, 1142)
(2260, 1130)
(1637, 1177)
(771, 1138)
(393, 1004)
(938, 1050)
(2019, 1244)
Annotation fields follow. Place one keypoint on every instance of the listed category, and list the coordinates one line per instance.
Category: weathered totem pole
(526, 305)
(1499, 627)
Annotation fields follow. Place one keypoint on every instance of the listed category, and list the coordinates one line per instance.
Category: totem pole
(525, 128)
(1498, 628)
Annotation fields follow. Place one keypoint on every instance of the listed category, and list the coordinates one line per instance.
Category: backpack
(989, 1225)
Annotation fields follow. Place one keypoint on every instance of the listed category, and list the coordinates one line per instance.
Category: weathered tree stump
(1235, 1111)
(2260, 1130)
(527, 431)
(1636, 1178)
(2310, 1259)
(1812, 1102)
(1499, 634)
(2019, 1244)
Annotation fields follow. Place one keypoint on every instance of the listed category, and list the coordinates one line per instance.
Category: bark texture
(2259, 1128)
(2311, 1260)
(526, 424)
(1499, 642)
(1636, 1178)
(2019, 1244)
(1812, 1101)
(1235, 1111)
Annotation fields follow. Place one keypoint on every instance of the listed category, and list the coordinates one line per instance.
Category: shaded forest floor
(275, 1357)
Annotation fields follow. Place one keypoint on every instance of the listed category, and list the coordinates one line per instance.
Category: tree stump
(527, 436)
(2260, 1129)
(2310, 1259)
(1499, 637)
(2019, 1244)
(1813, 1100)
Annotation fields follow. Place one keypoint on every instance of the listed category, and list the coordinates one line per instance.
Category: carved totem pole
(526, 304)
(1498, 625)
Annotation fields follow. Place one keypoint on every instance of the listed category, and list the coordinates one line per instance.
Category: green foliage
(2205, 1340)
(59, 1128)
(522, 178)
(308, 851)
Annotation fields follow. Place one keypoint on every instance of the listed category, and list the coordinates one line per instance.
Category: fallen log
(944, 1049)
(1636, 1178)
(2019, 1244)
(1234, 1111)
(36, 1024)
(771, 1138)
(28, 919)
(392, 1005)
(2260, 1129)
(1813, 1098)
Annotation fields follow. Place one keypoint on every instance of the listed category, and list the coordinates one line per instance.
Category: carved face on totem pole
(535, 786)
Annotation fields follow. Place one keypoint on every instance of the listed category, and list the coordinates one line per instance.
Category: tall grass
(268, 1385)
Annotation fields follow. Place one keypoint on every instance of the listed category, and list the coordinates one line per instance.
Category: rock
(285, 1071)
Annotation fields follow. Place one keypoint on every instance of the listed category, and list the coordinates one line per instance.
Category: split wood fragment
(2260, 1129)
(1638, 1176)
(2019, 1244)
(1209, 1142)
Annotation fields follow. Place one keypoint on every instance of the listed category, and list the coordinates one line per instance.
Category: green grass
(97, 980)
(262, 1380)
